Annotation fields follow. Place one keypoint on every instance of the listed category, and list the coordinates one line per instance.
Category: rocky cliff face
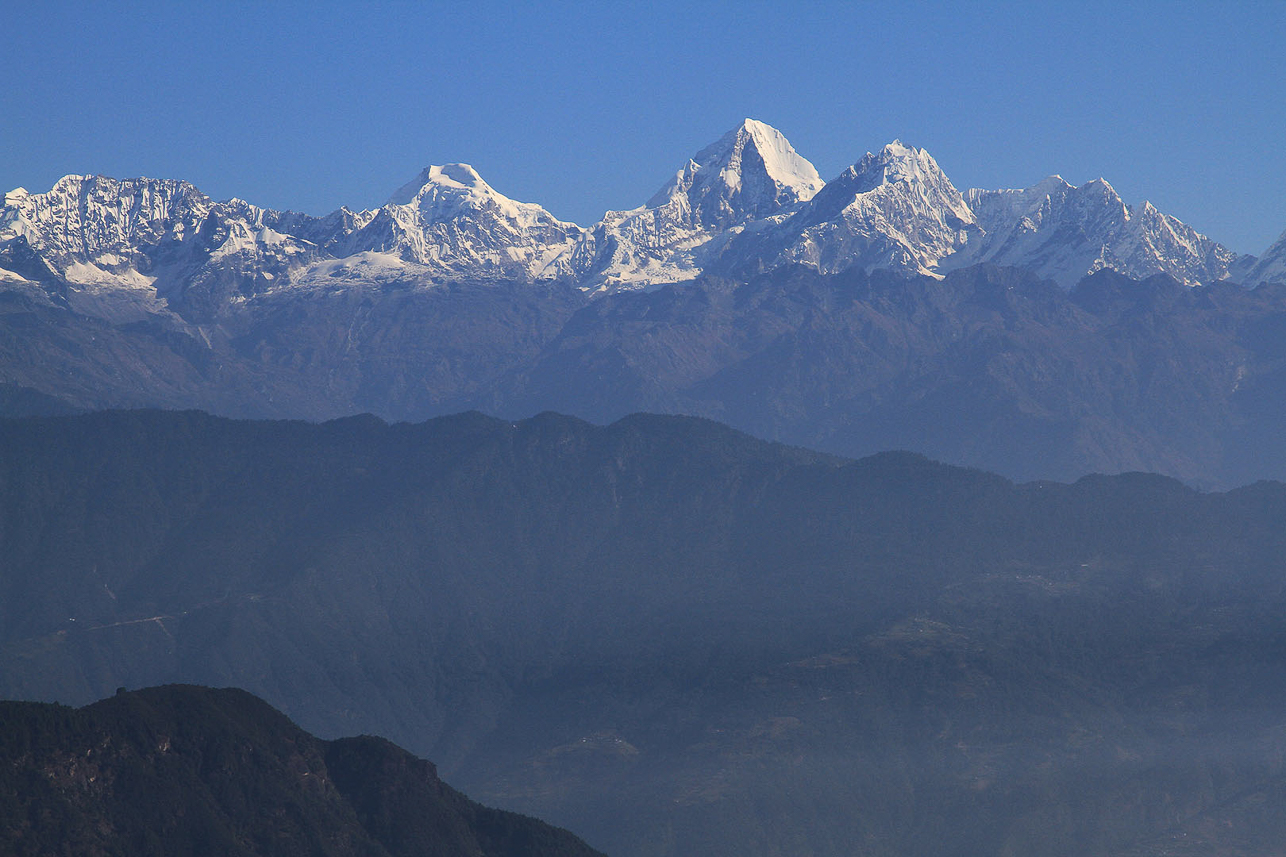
(894, 210)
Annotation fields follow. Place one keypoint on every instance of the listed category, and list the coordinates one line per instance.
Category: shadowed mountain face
(672, 638)
(184, 770)
(991, 367)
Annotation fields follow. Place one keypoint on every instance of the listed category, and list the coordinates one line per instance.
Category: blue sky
(588, 107)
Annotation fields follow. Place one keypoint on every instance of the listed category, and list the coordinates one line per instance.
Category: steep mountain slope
(895, 210)
(751, 174)
(455, 225)
(146, 248)
(1271, 267)
(127, 250)
(989, 367)
(1063, 233)
(189, 770)
(672, 638)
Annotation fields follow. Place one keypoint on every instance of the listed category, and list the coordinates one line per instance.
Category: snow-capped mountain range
(748, 201)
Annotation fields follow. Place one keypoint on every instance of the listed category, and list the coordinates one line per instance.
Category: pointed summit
(895, 162)
(750, 173)
(898, 170)
(914, 168)
(782, 163)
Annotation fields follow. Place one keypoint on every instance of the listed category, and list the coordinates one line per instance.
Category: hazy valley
(672, 638)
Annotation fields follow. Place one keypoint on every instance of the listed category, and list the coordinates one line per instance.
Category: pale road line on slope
(62, 632)
(159, 620)
(156, 619)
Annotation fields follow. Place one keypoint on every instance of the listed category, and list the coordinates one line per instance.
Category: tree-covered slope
(186, 770)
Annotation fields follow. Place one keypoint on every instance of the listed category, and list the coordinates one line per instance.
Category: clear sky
(586, 107)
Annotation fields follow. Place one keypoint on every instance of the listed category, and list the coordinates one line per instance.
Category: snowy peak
(786, 167)
(915, 169)
(126, 248)
(1064, 233)
(1270, 267)
(448, 177)
(899, 175)
(1004, 212)
(898, 162)
(84, 217)
(441, 193)
(456, 225)
(96, 234)
(893, 209)
(750, 173)
(996, 209)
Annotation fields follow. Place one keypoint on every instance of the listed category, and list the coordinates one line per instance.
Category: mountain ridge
(880, 309)
(671, 637)
(990, 367)
(897, 211)
(893, 210)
